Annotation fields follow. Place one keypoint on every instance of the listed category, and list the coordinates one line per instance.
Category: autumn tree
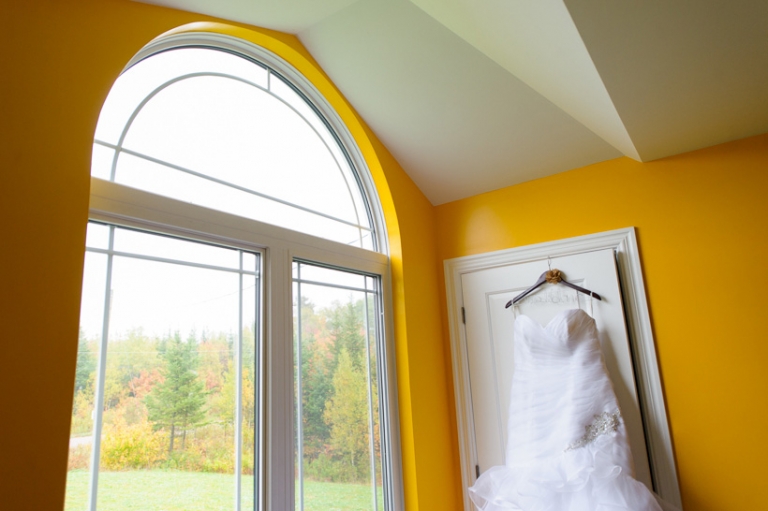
(224, 403)
(177, 401)
(129, 356)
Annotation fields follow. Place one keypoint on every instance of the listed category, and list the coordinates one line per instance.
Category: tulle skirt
(584, 479)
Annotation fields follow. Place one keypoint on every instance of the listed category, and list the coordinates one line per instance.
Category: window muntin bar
(137, 82)
(226, 183)
(101, 369)
(298, 399)
(196, 190)
(129, 241)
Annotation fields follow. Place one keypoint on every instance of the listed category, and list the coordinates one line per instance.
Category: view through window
(338, 436)
(167, 375)
(214, 174)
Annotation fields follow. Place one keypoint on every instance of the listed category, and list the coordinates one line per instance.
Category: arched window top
(222, 130)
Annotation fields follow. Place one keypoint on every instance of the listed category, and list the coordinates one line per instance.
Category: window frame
(120, 205)
(103, 353)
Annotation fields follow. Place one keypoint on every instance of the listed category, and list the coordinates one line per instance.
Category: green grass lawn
(171, 490)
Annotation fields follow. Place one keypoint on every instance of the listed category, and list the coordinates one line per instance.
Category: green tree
(85, 376)
(346, 327)
(177, 401)
(86, 363)
(317, 389)
(316, 361)
(347, 415)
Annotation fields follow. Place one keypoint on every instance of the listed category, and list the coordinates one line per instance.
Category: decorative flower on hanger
(554, 276)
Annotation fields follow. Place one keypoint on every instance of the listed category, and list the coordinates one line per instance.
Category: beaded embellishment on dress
(602, 425)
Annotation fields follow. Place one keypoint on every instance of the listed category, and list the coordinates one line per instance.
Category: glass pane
(101, 161)
(285, 92)
(249, 262)
(209, 113)
(88, 352)
(337, 385)
(146, 175)
(237, 133)
(160, 298)
(330, 276)
(166, 247)
(180, 360)
(140, 80)
(168, 424)
(97, 236)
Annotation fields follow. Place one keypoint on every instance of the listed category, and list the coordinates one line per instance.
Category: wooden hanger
(552, 277)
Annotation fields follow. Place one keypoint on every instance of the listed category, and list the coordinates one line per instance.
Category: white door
(490, 337)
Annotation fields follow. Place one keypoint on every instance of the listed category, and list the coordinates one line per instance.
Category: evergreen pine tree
(177, 402)
(347, 330)
(317, 388)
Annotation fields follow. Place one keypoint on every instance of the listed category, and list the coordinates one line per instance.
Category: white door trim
(652, 407)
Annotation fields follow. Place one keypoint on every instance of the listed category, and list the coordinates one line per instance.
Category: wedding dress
(567, 447)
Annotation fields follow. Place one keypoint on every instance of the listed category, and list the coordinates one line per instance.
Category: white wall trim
(652, 407)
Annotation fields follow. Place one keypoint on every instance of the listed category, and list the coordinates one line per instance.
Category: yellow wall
(59, 59)
(702, 224)
(701, 220)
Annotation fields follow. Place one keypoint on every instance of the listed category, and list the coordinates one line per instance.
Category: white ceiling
(475, 95)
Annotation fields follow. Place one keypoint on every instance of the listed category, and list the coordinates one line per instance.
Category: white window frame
(121, 205)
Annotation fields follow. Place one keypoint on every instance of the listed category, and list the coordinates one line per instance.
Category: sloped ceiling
(475, 95)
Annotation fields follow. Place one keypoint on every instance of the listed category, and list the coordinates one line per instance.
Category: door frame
(642, 346)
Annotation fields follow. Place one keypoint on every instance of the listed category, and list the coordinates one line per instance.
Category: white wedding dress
(567, 446)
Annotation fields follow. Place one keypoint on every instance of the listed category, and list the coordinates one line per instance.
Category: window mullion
(299, 390)
(239, 391)
(371, 442)
(98, 406)
(258, 410)
(390, 475)
(280, 443)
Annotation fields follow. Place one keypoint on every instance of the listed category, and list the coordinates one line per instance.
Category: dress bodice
(566, 326)
(560, 387)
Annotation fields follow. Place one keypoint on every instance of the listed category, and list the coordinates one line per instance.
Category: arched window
(233, 344)
(216, 129)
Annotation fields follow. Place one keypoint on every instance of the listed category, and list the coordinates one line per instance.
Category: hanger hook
(549, 262)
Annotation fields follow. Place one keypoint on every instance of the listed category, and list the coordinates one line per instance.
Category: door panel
(490, 337)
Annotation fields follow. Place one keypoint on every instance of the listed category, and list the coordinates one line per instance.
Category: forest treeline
(169, 402)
